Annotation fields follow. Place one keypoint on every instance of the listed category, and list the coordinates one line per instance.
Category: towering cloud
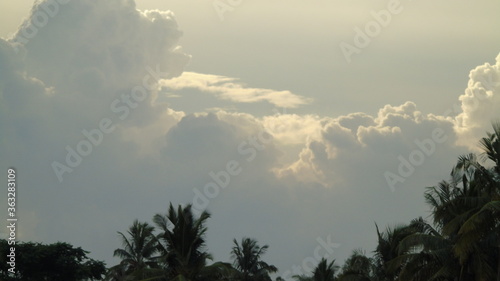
(82, 88)
(480, 103)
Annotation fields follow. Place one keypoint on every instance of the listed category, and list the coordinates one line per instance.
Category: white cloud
(96, 51)
(231, 89)
(293, 129)
(92, 52)
(63, 80)
(480, 103)
(335, 156)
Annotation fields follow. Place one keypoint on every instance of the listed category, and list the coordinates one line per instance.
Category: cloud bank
(313, 176)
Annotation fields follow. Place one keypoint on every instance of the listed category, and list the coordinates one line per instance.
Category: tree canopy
(50, 262)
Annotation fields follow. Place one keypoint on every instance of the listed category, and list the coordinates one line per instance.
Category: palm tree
(358, 267)
(117, 273)
(491, 147)
(137, 254)
(324, 271)
(247, 260)
(431, 253)
(303, 278)
(387, 250)
(466, 212)
(426, 255)
(478, 235)
(453, 204)
(182, 245)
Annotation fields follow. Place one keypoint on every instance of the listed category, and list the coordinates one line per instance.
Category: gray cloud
(317, 176)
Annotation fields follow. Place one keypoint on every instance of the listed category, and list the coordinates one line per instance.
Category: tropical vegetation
(460, 242)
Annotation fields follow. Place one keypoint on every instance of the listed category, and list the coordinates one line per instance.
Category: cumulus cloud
(103, 44)
(480, 103)
(93, 54)
(91, 61)
(363, 141)
(231, 89)
(293, 129)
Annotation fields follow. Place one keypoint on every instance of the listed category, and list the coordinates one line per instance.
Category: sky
(298, 123)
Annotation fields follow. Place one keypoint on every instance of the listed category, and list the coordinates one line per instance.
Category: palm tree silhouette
(324, 271)
(247, 260)
(139, 247)
(182, 242)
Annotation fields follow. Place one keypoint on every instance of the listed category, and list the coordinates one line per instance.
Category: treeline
(179, 252)
(460, 243)
(54, 262)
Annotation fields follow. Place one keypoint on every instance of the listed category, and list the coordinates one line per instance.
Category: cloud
(105, 43)
(480, 103)
(310, 177)
(83, 66)
(227, 88)
(292, 129)
(64, 80)
(341, 151)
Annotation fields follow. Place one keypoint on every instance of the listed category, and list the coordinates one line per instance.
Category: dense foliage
(53, 262)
